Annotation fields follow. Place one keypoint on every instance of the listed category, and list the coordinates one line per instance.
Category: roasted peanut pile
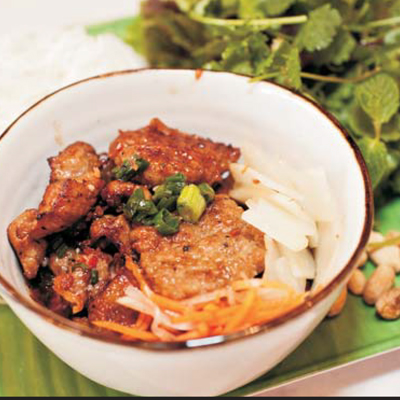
(379, 289)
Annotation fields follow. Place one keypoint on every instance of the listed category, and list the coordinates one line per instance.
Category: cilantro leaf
(379, 97)
(339, 51)
(320, 29)
(375, 154)
(263, 8)
(248, 56)
(286, 61)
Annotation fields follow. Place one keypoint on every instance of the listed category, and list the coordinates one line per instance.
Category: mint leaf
(320, 29)
(379, 98)
(376, 156)
(361, 125)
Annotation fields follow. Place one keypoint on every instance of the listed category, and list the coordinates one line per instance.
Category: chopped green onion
(126, 171)
(59, 246)
(166, 223)
(176, 178)
(207, 192)
(94, 276)
(62, 250)
(191, 204)
(167, 202)
(137, 208)
(168, 192)
(141, 164)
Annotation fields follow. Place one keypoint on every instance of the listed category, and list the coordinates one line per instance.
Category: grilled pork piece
(202, 257)
(170, 151)
(74, 187)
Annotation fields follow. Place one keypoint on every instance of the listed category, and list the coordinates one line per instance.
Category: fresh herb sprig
(345, 54)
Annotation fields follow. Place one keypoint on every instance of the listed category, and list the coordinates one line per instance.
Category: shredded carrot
(143, 322)
(244, 304)
(168, 304)
(240, 317)
(188, 336)
(135, 269)
(133, 333)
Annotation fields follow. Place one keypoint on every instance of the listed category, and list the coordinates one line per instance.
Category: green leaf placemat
(27, 368)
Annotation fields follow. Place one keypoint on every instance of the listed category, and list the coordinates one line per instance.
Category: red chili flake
(198, 73)
(256, 181)
(235, 232)
(93, 261)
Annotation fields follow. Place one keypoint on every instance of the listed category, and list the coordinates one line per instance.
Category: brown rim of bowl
(312, 301)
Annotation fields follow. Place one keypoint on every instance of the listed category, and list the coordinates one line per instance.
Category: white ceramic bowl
(222, 106)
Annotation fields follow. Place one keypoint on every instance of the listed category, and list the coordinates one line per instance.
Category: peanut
(339, 304)
(357, 283)
(389, 255)
(380, 281)
(388, 305)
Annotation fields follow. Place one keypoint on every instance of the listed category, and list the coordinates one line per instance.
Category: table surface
(378, 376)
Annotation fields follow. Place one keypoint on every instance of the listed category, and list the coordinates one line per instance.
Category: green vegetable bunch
(345, 54)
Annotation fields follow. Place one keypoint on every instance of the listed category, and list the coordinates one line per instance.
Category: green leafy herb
(320, 29)
(340, 50)
(166, 223)
(261, 8)
(375, 154)
(344, 54)
(379, 98)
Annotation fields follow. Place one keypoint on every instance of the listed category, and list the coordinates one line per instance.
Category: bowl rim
(312, 301)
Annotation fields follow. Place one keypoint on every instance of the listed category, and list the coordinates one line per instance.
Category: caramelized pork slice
(104, 307)
(78, 161)
(202, 257)
(63, 204)
(75, 184)
(170, 151)
(114, 229)
(30, 252)
(74, 187)
(73, 288)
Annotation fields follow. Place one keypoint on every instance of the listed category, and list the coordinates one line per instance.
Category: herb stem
(263, 77)
(377, 129)
(321, 78)
(380, 23)
(337, 79)
(260, 22)
(380, 245)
